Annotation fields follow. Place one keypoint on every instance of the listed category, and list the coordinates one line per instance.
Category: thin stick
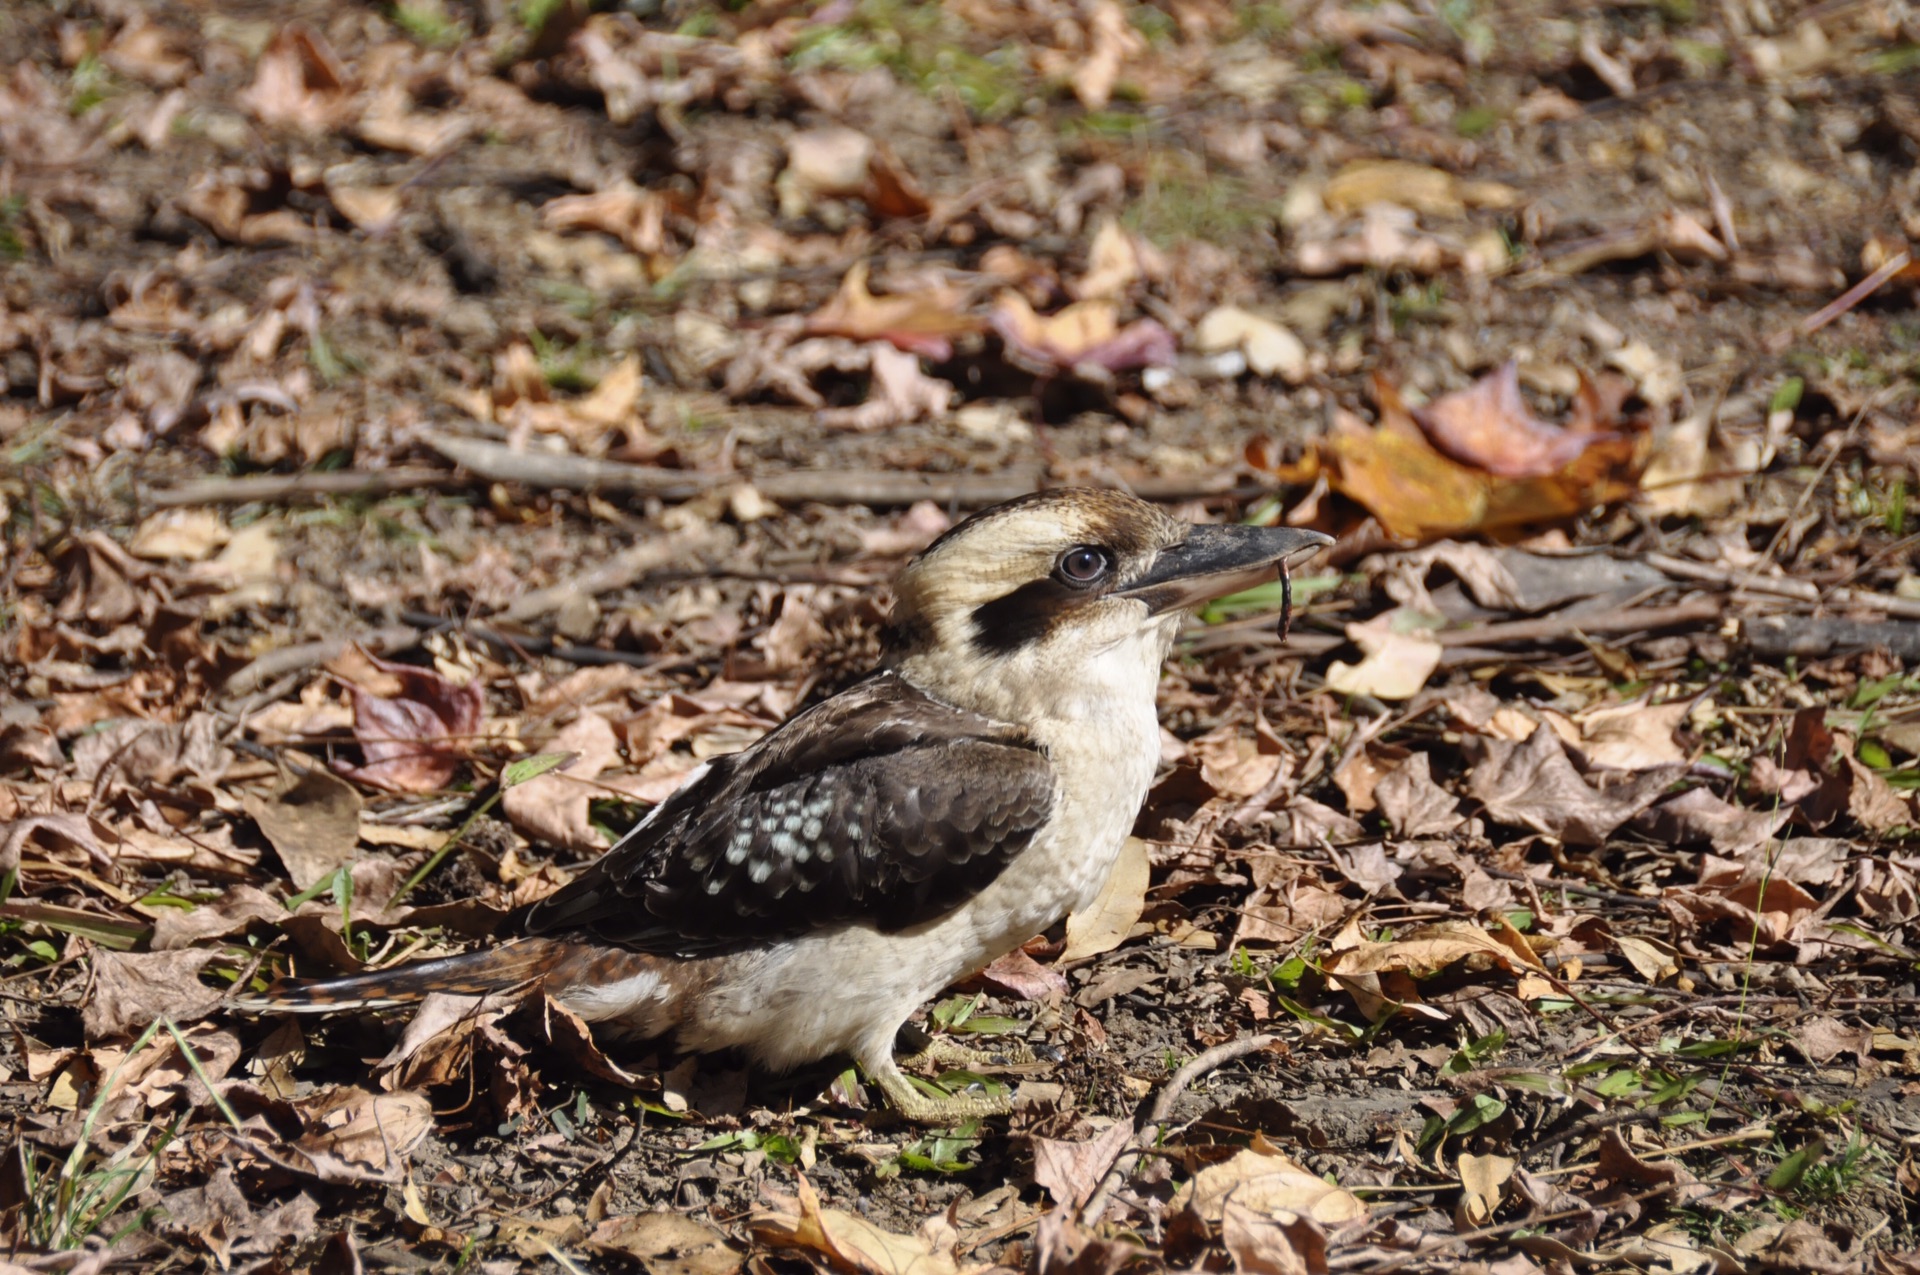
(282, 487)
(1844, 302)
(293, 659)
(1163, 1107)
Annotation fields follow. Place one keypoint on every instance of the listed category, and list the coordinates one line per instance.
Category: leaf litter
(1547, 899)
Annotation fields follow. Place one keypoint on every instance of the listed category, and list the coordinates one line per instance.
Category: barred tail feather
(476, 973)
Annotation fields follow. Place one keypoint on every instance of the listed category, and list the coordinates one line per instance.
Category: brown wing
(881, 804)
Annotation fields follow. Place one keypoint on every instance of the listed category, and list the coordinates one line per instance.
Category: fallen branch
(283, 487)
(1149, 1133)
(620, 571)
(1819, 636)
(1779, 587)
(498, 462)
(292, 659)
(1548, 628)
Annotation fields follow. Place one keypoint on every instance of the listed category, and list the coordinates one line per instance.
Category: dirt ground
(392, 396)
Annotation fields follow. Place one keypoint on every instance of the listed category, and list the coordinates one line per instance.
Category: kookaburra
(801, 898)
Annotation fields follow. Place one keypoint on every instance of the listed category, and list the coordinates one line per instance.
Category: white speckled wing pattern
(882, 805)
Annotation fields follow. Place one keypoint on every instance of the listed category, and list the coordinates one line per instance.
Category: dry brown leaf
(133, 990)
(1420, 494)
(1414, 805)
(370, 208)
(1237, 764)
(1483, 1177)
(1113, 265)
(1270, 348)
(1106, 924)
(1281, 1243)
(414, 741)
(1112, 44)
(180, 534)
(353, 1135)
(1416, 186)
(312, 823)
(1401, 654)
(667, 1243)
(835, 162)
(1268, 1185)
(923, 322)
(1534, 785)
(554, 808)
(1426, 950)
(1086, 332)
(1070, 1170)
(1766, 912)
(1700, 815)
(1489, 426)
(298, 83)
(1025, 977)
(1631, 736)
(850, 1243)
(900, 394)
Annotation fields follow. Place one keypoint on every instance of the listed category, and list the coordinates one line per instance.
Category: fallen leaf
(666, 1243)
(1070, 1170)
(555, 808)
(1765, 912)
(1414, 805)
(922, 322)
(1534, 785)
(353, 1135)
(1278, 1243)
(1266, 1184)
(1401, 654)
(313, 824)
(132, 990)
(1482, 1177)
(413, 741)
(1419, 187)
(1270, 348)
(1025, 977)
(900, 394)
(1424, 951)
(836, 162)
(1489, 425)
(180, 534)
(1084, 333)
(849, 1242)
(1700, 815)
(1631, 736)
(1106, 924)
(1113, 265)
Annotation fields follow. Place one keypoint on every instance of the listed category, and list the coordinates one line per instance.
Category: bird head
(1061, 594)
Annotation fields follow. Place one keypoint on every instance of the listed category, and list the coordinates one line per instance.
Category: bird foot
(944, 1051)
(913, 1102)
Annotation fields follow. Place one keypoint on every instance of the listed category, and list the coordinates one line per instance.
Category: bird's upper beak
(1214, 561)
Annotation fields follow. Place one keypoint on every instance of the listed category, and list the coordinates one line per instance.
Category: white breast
(841, 988)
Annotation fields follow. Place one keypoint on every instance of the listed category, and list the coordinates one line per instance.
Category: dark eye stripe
(1026, 615)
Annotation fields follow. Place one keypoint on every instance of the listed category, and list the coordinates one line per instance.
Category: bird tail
(476, 973)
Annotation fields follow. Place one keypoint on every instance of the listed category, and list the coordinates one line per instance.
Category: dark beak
(1215, 561)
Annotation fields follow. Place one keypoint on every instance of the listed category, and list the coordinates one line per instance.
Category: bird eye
(1083, 564)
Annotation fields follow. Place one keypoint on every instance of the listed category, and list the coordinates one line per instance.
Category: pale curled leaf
(1106, 924)
(850, 1243)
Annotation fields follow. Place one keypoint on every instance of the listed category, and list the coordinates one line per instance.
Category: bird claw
(915, 1104)
(942, 1051)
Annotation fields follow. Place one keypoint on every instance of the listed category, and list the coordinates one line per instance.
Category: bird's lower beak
(1217, 560)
